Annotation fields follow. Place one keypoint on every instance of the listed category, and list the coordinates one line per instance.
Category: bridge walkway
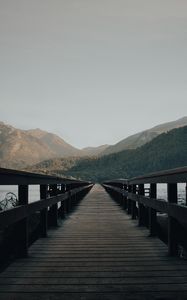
(97, 253)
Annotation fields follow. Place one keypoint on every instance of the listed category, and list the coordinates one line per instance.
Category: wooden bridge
(102, 247)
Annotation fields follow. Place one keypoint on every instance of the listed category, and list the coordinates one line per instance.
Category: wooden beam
(134, 208)
(152, 211)
(141, 208)
(43, 212)
(22, 231)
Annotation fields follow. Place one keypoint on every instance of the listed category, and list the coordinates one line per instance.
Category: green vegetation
(55, 166)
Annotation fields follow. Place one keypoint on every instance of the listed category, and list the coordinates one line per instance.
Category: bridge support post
(141, 208)
(43, 212)
(65, 206)
(62, 206)
(172, 223)
(69, 201)
(75, 200)
(129, 202)
(53, 211)
(152, 212)
(125, 198)
(134, 203)
(22, 226)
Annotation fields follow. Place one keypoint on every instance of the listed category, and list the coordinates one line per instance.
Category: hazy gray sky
(92, 71)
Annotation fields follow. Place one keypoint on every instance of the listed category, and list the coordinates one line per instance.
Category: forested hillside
(168, 150)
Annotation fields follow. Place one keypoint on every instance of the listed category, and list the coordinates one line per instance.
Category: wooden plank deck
(97, 253)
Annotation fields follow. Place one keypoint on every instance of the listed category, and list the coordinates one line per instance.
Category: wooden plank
(94, 288)
(94, 274)
(92, 296)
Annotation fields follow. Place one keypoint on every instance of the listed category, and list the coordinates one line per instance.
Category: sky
(92, 72)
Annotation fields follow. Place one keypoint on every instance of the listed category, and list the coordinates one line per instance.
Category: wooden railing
(142, 203)
(57, 197)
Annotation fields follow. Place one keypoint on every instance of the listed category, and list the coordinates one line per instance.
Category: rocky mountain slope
(56, 144)
(19, 148)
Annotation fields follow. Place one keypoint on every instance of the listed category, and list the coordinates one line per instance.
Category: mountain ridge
(21, 148)
(94, 150)
(139, 139)
(166, 151)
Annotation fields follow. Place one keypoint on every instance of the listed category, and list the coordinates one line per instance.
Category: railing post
(53, 211)
(62, 203)
(172, 223)
(65, 202)
(75, 200)
(43, 212)
(69, 201)
(129, 201)
(22, 228)
(133, 203)
(141, 208)
(152, 212)
(121, 195)
(125, 198)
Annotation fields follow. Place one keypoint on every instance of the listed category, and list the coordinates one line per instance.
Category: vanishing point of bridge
(96, 251)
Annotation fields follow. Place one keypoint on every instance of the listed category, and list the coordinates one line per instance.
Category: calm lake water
(162, 192)
(34, 192)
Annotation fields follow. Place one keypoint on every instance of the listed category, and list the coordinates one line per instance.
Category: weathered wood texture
(97, 253)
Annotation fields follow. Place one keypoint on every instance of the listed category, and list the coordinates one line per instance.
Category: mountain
(19, 148)
(141, 138)
(166, 151)
(56, 144)
(92, 151)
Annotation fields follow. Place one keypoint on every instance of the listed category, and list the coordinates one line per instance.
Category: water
(34, 192)
(162, 192)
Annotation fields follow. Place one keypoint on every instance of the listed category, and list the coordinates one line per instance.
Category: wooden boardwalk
(97, 253)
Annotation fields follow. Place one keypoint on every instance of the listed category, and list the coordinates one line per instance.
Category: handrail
(168, 176)
(15, 177)
(130, 193)
(13, 215)
(57, 197)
